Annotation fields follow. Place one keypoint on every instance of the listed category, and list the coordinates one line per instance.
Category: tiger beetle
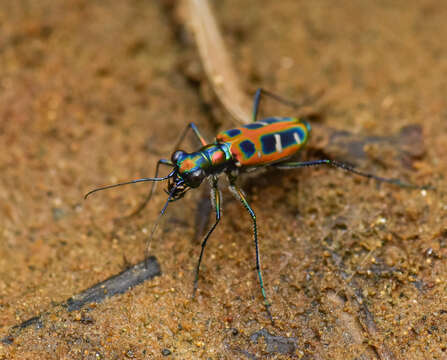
(268, 142)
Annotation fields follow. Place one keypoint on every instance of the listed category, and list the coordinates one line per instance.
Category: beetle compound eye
(177, 156)
(194, 178)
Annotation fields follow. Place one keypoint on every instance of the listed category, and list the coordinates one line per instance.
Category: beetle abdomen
(266, 141)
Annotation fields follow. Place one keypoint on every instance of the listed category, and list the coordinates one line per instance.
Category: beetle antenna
(130, 182)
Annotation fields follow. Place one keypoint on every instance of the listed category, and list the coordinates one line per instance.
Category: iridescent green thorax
(217, 154)
(207, 158)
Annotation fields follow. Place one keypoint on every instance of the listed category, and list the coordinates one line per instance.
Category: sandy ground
(94, 92)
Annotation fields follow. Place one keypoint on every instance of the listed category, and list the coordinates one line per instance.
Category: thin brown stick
(217, 62)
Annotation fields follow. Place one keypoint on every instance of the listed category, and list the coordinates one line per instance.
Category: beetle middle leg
(241, 197)
(216, 200)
